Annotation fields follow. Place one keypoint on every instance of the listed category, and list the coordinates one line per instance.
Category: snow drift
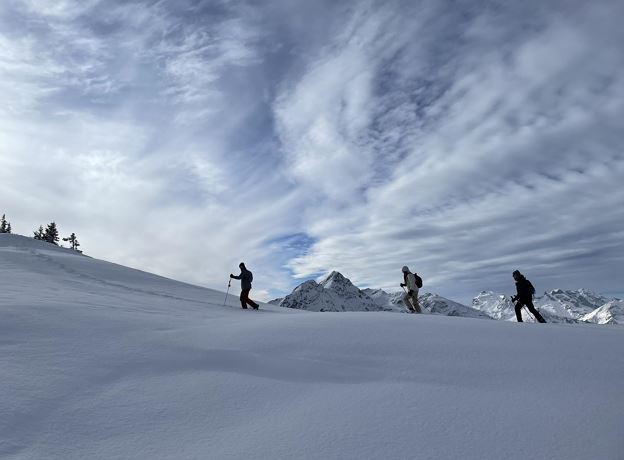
(100, 361)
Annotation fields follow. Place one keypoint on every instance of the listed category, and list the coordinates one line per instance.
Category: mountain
(610, 313)
(557, 306)
(337, 293)
(334, 293)
(441, 306)
(100, 361)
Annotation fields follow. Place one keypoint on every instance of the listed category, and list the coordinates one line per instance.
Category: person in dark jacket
(524, 296)
(246, 278)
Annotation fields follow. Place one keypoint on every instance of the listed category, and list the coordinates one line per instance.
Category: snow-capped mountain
(442, 306)
(555, 306)
(337, 293)
(334, 293)
(610, 313)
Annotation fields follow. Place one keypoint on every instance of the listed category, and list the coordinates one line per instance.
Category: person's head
(516, 275)
(405, 269)
(241, 265)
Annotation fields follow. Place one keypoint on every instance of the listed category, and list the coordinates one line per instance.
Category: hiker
(246, 278)
(413, 282)
(524, 296)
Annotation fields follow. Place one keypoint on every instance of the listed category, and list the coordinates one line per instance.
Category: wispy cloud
(183, 137)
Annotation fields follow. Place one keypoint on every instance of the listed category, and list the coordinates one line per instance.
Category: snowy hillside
(100, 361)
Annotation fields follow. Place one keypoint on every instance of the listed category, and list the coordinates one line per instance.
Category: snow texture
(100, 361)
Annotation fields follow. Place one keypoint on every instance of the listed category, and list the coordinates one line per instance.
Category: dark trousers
(244, 298)
(529, 304)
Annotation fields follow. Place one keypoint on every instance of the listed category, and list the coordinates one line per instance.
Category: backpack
(418, 280)
(531, 288)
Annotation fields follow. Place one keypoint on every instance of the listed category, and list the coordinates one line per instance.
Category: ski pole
(228, 291)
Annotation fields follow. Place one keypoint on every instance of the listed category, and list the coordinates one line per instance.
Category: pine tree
(8, 227)
(51, 234)
(73, 241)
(39, 234)
(4, 225)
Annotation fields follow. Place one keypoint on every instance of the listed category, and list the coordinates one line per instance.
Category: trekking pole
(228, 291)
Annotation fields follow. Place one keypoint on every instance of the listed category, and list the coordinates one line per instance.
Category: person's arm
(235, 277)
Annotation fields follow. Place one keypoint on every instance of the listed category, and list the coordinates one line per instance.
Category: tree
(5, 225)
(39, 234)
(51, 234)
(73, 241)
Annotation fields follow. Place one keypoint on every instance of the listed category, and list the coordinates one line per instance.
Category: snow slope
(103, 362)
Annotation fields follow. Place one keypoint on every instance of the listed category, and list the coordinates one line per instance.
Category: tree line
(50, 234)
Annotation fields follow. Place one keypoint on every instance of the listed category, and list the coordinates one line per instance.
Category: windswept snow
(100, 361)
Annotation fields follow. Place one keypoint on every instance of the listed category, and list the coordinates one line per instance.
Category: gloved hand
(514, 298)
(231, 276)
(410, 292)
(403, 285)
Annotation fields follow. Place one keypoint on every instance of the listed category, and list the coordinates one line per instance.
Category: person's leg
(407, 302)
(244, 297)
(253, 304)
(415, 302)
(518, 308)
(534, 312)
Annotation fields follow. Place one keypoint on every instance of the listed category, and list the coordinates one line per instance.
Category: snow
(100, 361)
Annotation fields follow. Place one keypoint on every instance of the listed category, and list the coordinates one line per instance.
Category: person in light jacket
(246, 278)
(410, 299)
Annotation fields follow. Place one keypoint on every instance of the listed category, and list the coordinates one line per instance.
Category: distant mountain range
(336, 293)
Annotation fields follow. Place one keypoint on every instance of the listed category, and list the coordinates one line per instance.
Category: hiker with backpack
(524, 296)
(413, 282)
(246, 278)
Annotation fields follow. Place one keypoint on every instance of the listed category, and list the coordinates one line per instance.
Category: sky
(465, 139)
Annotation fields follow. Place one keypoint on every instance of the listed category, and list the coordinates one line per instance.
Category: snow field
(103, 362)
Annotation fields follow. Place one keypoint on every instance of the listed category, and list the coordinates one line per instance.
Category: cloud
(184, 137)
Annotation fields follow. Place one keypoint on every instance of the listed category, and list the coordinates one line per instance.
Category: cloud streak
(463, 139)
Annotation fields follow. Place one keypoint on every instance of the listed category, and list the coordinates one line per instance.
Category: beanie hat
(405, 269)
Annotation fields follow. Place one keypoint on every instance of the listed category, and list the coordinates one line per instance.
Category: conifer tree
(73, 241)
(39, 234)
(51, 234)
(5, 226)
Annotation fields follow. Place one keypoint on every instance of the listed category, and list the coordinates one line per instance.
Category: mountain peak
(335, 276)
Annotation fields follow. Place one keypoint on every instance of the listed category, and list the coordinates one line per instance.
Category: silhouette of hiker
(524, 296)
(246, 278)
(410, 299)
